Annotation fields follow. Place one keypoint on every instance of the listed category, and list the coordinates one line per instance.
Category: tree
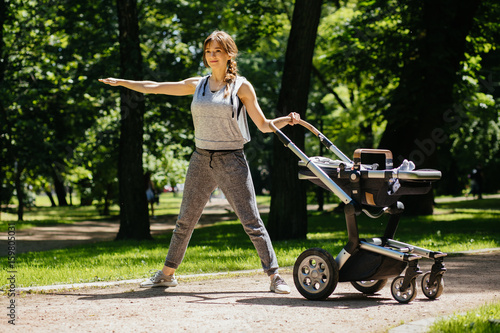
(47, 101)
(3, 116)
(23, 134)
(474, 122)
(134, 218)
(416, 117)
(288, 214)
(379, 56)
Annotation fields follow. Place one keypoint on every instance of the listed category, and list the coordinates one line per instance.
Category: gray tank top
(219, 123)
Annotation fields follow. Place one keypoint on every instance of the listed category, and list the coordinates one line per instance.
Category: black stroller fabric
(374, 191)
(365, 266)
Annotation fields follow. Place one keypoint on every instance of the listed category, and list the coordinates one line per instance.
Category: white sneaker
(160, 280)
(279, 286)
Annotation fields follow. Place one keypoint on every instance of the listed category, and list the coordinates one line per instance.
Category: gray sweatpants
(229, 171)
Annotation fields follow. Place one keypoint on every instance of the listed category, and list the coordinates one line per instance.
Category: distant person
(476, 182)
(220, 103)
(150, 192)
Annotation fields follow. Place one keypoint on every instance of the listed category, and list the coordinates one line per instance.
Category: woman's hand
(111, 81)
(295, 118)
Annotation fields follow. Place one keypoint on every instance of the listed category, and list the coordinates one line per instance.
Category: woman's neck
(218, 76)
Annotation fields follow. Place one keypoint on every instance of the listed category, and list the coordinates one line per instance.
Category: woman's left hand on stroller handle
(294, 118)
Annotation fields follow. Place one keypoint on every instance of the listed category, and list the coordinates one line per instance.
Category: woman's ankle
(168, 271)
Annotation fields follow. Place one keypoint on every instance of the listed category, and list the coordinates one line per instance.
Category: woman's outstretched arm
(180, 88)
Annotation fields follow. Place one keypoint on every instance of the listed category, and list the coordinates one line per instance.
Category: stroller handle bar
(323, 139)
(304, 158)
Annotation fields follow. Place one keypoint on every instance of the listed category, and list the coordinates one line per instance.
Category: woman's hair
(228, 44)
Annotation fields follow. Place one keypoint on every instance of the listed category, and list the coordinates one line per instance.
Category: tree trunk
(51, 198)
(288, 214)
(107, 199)
(416, 118)
(3, 116)
(59, 188)
(3, 51)
(134, 219)
(19, 192)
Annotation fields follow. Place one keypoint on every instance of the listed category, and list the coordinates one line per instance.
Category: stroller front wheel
(400, 295)
(436, 289)
(315, 274)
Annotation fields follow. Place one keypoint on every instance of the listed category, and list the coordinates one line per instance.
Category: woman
(220, 103)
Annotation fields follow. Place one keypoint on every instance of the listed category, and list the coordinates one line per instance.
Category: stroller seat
(379, 188)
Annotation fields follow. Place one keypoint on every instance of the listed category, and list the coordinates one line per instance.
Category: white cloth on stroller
(394, 183)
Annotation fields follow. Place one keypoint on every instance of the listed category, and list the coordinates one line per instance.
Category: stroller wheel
(315, 274)
(436, 289)
(369, 287)
(403, 296)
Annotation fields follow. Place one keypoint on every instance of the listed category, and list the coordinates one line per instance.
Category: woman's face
(216, 56)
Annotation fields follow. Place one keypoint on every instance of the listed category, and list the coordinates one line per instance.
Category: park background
(419, 78)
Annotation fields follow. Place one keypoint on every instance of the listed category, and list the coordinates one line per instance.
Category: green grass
(456, 226)
(485, 319)
(44, 214)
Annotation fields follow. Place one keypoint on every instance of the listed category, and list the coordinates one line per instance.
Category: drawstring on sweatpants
(212, 152)
(211, 157)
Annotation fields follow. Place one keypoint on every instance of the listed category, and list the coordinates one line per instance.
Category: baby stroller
(366, 263)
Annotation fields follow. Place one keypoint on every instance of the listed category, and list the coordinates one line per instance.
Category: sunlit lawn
(485, 319)
(44, 214)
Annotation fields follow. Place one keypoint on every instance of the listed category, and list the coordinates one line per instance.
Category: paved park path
(240, 302)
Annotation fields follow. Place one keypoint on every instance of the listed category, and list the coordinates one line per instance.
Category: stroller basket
(366, 263)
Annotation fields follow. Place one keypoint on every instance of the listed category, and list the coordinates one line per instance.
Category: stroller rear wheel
(315, 274)
(369, 287)
(400, 295)
(436, 289)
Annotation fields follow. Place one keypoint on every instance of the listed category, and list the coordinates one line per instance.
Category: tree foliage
(409, 76)
(386, 73)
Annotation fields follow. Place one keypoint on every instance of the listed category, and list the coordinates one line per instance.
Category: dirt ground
(243, 303)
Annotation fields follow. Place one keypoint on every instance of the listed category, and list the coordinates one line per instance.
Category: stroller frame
(366, 263)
